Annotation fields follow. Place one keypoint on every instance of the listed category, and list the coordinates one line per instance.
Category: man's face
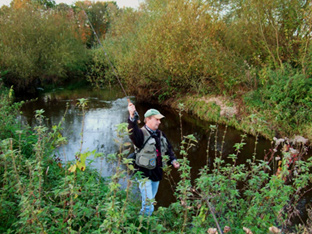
(152, 122)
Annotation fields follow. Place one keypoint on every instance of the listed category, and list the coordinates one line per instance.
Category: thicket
(284, 101)
(249, 52)
(168, 47)
(38, 47)
(209, 46)
(43, 44)
(40, 193)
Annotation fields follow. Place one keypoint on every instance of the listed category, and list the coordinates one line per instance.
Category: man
(152, 145)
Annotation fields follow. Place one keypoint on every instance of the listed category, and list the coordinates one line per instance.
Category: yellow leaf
(72, 168)
(127, 144)
(81, 166)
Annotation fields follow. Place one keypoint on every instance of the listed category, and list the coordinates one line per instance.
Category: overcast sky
(120, 3)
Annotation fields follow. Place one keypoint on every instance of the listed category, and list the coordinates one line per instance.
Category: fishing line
(112, 66)
(98, 40)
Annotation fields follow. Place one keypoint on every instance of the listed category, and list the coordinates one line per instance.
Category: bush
(284, 100)
(158, 49)
(39, 46)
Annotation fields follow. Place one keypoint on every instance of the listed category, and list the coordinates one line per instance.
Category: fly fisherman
(150, 144)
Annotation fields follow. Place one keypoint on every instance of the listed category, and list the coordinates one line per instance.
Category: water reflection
(105, 110)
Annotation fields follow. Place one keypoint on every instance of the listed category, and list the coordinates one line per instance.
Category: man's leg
(155, 185)
(148, 190)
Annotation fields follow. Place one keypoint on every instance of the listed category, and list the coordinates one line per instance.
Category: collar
(150, 130)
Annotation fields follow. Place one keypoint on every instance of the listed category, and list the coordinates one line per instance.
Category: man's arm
(136, 134)
(170, 153)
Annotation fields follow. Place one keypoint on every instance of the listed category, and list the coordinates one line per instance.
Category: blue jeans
(148, 190)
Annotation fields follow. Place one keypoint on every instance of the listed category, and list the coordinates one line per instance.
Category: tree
(269, 32)
(38, 47)
(172, 45)
(99, 14)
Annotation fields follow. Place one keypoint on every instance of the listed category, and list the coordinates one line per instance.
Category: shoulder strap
(145, 132)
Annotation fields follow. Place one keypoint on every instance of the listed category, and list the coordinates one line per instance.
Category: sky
(120, 3)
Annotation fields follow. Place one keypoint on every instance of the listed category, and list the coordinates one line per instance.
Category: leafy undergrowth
(42, 194)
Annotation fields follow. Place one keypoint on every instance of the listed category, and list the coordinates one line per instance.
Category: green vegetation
(168, 49)
(256, 55)
(43, 44)
(211, 111)
(42, 194)
(38, 48)
(285, 100)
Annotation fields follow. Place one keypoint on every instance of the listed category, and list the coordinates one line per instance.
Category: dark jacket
(137, 138)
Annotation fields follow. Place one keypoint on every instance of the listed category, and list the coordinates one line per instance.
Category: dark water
(107, 108)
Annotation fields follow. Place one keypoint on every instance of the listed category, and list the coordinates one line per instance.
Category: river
(107, 108)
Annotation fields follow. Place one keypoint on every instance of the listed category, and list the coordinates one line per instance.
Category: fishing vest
(147, 156)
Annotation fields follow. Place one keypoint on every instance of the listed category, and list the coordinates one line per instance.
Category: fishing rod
(136, 115)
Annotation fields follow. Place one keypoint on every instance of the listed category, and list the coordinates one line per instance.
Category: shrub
(38, 47)
(284, 100)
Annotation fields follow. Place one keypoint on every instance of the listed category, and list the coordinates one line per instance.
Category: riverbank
(223, 110)
(235, 113)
